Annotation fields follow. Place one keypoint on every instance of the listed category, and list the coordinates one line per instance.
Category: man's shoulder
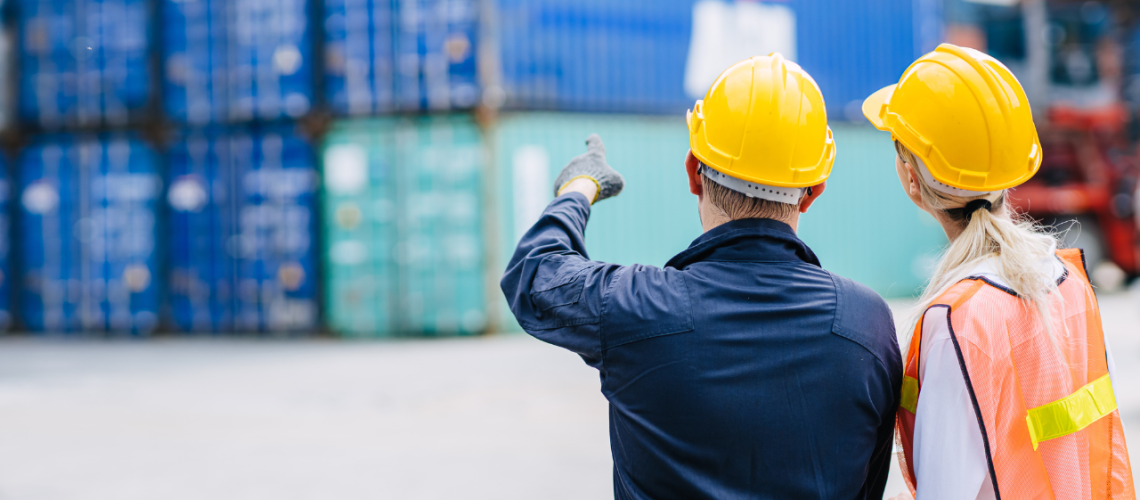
(863, 317)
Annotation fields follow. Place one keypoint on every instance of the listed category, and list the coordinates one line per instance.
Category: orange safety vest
(1050, 427)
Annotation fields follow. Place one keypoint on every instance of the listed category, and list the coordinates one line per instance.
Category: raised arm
(554, 290)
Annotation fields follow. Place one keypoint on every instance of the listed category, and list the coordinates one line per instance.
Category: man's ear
(692, 167)
(813, 193)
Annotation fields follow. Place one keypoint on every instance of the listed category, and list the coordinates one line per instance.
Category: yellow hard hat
(764, 121)
(965, 116)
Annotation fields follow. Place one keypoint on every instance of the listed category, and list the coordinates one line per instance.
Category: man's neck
(712, 220)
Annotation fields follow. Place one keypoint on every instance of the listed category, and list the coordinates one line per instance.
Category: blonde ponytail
(1016, 241)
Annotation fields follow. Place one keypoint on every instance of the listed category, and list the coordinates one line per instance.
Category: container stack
(167, 174)
(629, 71)
(238, 77)
(88, 187)
(553, 72)
(403, 196)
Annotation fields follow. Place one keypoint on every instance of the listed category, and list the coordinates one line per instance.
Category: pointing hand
(591, 165)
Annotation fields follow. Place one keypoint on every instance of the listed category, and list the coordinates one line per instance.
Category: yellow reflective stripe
(1071, 413)
(909, 399)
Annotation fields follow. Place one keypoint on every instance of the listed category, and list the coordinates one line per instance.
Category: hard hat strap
(790, 196)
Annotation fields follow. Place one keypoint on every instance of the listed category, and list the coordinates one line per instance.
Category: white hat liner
(940, 187)
(790, 196)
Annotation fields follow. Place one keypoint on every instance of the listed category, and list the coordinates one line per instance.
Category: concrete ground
(502, 417)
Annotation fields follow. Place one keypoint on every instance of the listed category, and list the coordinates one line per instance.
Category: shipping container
(385, 55)
(403, 206)
(83, 62)
(87, 235)
(654, 56)
(863, 227)
(236, 60)
(242, 231)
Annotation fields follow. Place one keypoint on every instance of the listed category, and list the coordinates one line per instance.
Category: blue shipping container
(658, 56)
(384, 55)
(242, 225)
(87, 242)
(82, 62)
(239, 60)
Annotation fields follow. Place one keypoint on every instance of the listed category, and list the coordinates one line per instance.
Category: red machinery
(1091, 171)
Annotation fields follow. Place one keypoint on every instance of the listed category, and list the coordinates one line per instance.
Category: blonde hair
(1016, 241)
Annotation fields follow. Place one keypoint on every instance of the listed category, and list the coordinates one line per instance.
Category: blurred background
(182, 181)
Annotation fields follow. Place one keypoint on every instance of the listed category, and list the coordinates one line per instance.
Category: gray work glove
(592, 164)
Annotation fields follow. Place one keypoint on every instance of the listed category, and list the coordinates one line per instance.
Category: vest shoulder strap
(959, 293)
(1075, 258)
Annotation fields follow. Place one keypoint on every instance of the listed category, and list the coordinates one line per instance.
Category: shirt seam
(839, 330)
(606, 292)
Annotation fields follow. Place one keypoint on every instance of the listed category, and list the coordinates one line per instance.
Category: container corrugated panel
(440, 246)
(88, 225)
(384, 55)
(358, 168)
(406, 247)
(359, 62)
(83, 62)
(242, 226)
(236, 60)
(633, 56)
(202, 213)
(863, 228)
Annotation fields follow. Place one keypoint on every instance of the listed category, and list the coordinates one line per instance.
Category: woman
(1007, 391)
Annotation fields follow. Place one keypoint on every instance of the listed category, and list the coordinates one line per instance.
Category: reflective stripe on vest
(909, 399)
(1069, 414)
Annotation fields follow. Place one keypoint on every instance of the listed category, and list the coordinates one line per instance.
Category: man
(742, 369)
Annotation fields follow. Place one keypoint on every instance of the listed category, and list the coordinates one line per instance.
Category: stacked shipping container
(410, 55)
(242, 254)
(83, 62)
(88, 250)
(404, 229)
(236, 60)
(242, 196)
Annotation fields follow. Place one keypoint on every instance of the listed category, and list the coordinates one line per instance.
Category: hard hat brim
(873, 106)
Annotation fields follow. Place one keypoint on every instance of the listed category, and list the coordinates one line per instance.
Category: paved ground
(501, 417)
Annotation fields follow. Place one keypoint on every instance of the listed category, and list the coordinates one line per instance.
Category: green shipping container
(403, 227)
(863, 227)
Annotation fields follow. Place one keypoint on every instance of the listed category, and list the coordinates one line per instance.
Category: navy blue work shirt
(740, 370)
